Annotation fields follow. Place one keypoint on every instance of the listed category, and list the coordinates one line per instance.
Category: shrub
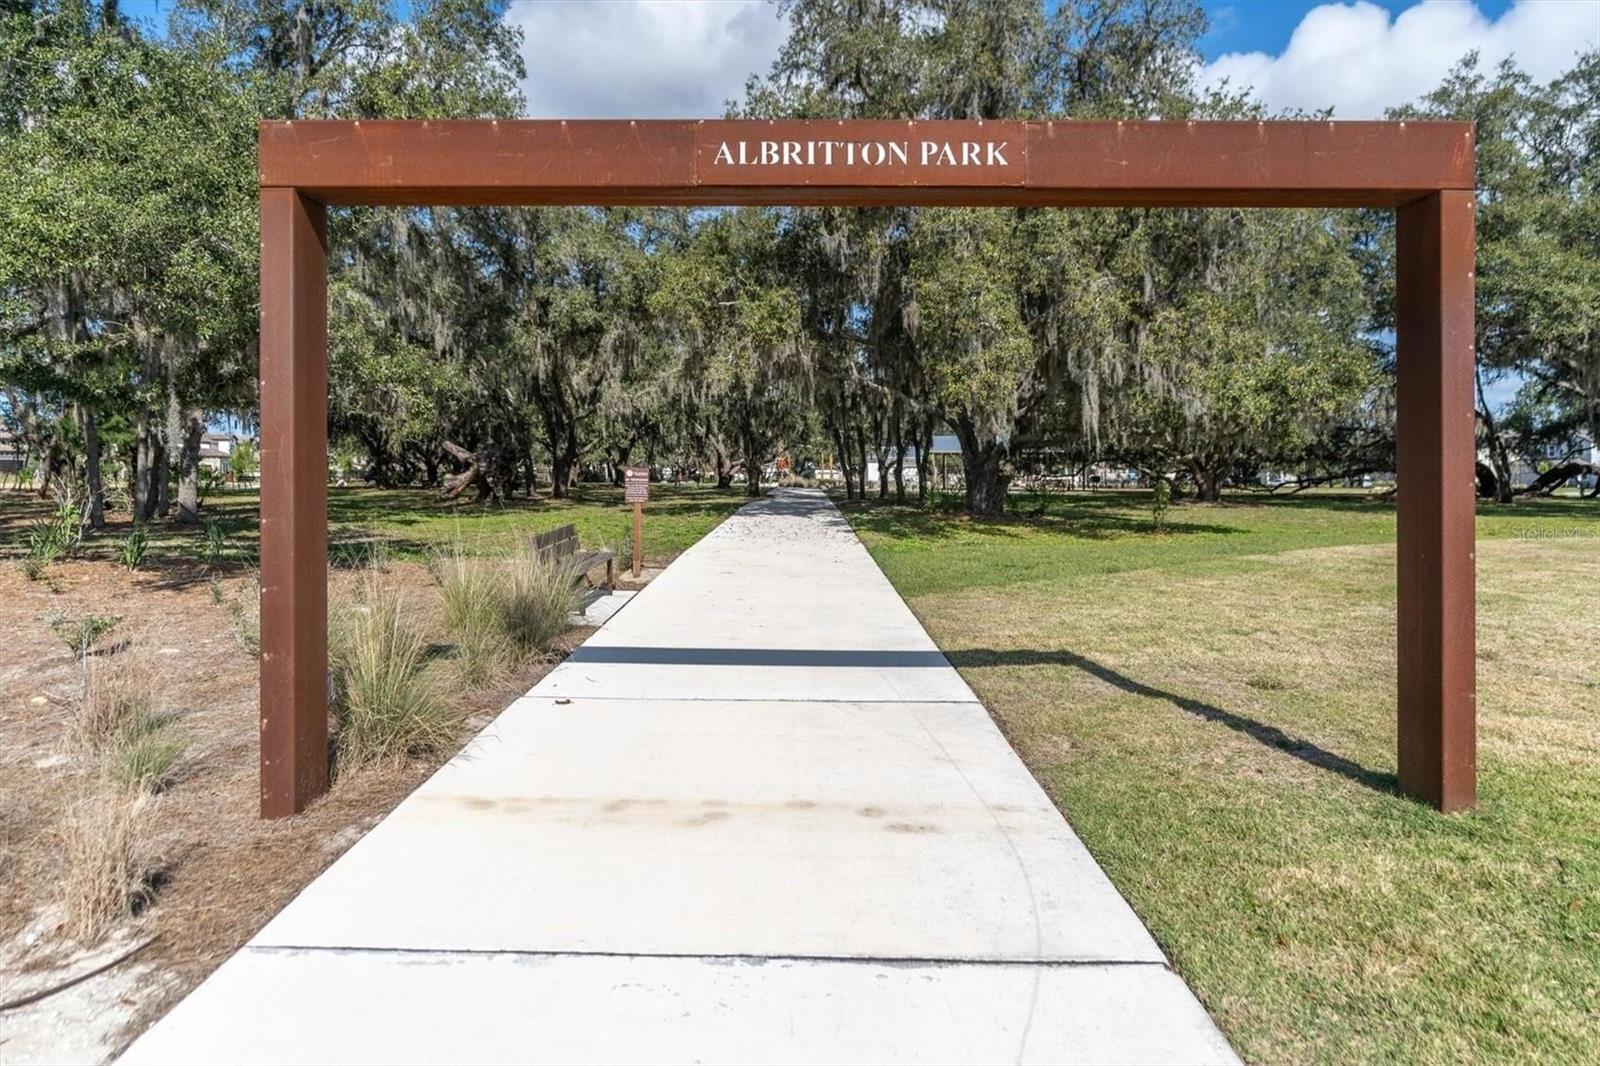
(244, 612)
(470, 590)
(81, 635)
(1039, 497)
(1160, 501)
(385, 705)
(106, 876)
(55, 536)
(207, 483)
(537, 599)
(132, 552)
(117, 696)
(119, 725)
(143, 754)
(213, 542)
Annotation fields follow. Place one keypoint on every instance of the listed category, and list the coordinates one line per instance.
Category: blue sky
(687, 58)
(1256, 26)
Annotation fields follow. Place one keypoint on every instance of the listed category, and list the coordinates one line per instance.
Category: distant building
(13, 454)
(1576, 449)
(942, 444)
(215, 449)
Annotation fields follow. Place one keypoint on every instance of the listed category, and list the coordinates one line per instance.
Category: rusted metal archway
(1422, 170)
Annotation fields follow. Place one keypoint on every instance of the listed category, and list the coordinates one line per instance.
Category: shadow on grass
(1268, 735)
(406, 507)
(178, 573)
(1086, 523)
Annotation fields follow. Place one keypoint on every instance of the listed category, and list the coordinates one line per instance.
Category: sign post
(636, 490)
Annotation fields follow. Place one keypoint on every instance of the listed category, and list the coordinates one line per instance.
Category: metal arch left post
(294, 506)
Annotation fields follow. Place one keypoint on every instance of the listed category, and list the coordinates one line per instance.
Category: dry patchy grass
(107, 869)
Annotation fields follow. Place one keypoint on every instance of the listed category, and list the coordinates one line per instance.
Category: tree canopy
(523, 350)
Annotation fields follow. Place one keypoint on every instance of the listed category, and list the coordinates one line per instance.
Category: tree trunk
(1499, 455)
(563, 461)
(752, 466)
(1552, 479)
(92, 473)
(983, 463)
(560, 473)
(843, 446)
(150, 465)
(899, 457)
(1488, 481)
(619, 465)
(1207, 482)
(924, 458)
(171, 448)
(986, 481)
(475, 474)
(861, 459)
(189, 468)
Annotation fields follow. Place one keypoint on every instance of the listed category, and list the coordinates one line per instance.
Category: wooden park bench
(560, 546)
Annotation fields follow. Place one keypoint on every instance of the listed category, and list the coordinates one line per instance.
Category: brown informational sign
(636, 491)
(636, 486)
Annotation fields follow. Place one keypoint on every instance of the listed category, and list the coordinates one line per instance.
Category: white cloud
(644, 59)
(1356, 59)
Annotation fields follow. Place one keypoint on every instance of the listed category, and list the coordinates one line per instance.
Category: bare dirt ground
(219, 871)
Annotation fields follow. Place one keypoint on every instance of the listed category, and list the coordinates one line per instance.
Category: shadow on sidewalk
(844, 658)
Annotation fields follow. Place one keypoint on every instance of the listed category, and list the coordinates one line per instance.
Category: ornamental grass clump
(536, 602)
(117, 694)
(386, 706)
(470, 590)
(244, 613)
(120, 726)
(144, 754)
(107, 874)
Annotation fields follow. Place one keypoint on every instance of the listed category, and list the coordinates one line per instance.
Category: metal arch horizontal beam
(1063, 164)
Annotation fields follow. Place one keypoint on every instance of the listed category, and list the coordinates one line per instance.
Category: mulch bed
(223, 872)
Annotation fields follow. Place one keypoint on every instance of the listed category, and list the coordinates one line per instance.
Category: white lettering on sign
(861, 153)
(636, 485)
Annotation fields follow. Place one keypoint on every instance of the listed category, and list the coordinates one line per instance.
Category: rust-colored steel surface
(1434, 453)
(864, 163)
(1422, 169)
(294, 508)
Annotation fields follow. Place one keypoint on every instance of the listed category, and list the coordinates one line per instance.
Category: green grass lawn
(412, 522)
(1213, 709)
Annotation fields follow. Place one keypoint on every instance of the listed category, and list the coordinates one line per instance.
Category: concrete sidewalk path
(757, 817)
